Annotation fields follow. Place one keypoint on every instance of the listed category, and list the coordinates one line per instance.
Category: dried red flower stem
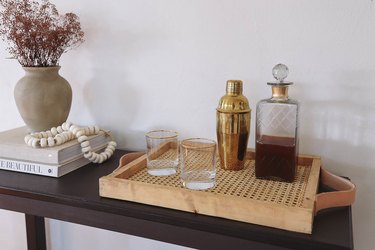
(37, 35)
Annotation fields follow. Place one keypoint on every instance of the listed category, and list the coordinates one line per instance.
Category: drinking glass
(198, 163)
(162, 152)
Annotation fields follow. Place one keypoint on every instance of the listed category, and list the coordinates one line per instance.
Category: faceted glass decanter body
(276, 135)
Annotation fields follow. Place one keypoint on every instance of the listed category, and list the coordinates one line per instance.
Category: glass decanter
(276, 131)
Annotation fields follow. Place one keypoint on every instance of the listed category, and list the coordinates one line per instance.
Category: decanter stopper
(280, 72)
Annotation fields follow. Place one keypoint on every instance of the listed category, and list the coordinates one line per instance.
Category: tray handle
(127, 158)
(344, 196)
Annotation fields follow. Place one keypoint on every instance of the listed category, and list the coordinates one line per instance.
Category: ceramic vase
(43, 98)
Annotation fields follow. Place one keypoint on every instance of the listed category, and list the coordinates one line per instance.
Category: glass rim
(148, 134)
(213, 142)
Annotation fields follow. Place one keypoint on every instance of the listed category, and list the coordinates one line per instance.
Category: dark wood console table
(75, 198)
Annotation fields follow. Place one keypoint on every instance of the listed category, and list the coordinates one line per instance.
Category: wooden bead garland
(67, 132)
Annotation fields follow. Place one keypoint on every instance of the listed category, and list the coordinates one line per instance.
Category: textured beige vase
(43, 98)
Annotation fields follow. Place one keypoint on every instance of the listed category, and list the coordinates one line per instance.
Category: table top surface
(332, 228)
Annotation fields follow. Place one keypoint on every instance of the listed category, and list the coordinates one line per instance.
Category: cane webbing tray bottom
(241, 183)
(237, 195)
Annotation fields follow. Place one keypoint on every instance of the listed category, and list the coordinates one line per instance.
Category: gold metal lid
(234, 101)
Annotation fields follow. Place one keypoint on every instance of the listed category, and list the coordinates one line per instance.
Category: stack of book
(56, 161)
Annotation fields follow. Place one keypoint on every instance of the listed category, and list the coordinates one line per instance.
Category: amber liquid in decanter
(276, 158)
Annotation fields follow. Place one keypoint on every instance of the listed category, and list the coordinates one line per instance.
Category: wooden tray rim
(198, 200)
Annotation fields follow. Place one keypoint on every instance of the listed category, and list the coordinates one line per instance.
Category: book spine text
(27, 167)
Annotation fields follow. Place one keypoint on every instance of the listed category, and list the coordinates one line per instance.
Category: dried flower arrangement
(37, 35)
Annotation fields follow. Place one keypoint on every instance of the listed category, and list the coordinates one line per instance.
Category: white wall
(163, 64)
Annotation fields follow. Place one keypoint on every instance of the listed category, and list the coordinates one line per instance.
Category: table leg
(35, 232)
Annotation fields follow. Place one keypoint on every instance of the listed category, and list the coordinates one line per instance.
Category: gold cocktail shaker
(233, 126)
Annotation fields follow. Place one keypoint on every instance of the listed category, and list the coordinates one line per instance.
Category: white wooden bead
(108, 154)
(97, 158)
(92, 130)
(68, 125)
(82, 138)
(71, 136)
(65, 126)
(30, 142)
(96, 129)
(80, 133)
(87, 131)
(43, 142)
(59, 129)
(58, 139)
(27, 138)
(108, 150)
(68, 136)
(111, 147)
(51, 141)
(93, 156)
(104, 155)
(71, 128)
(101, 158)
(113, 143)
(62, 136)
(54, 131)
(86, 149)
(35, 142)
(75, 130)
(44, 134)
(88, 155)
(49, 133)
(85, 144)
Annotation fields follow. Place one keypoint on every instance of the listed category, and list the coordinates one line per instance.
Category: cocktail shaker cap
(233, 101)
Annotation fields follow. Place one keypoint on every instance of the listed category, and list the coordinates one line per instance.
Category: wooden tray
(238, 195)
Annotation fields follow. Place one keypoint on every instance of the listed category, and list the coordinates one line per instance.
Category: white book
(13, 146)
(45, 169)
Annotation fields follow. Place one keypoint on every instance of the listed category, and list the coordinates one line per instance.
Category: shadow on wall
(340, 112)
(113, 104)
(337, 123)
(110, 96)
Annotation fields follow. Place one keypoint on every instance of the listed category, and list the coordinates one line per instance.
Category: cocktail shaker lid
(234, 101)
